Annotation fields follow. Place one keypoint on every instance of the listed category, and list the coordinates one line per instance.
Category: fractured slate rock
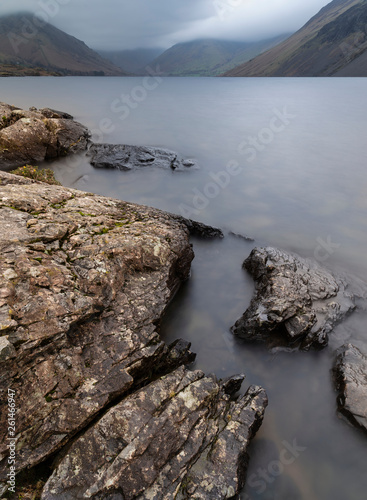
(124, 157)
(351, 380)
(296, 303)
(179, 437)
(84, 280)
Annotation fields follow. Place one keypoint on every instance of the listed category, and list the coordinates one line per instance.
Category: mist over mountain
(209, 57)
(331, 43)
(133, 61)
(26, 44)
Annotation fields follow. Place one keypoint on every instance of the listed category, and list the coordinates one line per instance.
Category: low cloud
(127, 24)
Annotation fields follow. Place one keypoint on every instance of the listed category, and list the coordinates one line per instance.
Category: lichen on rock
(296, 302)
(36, 135)
(84, 282)
(179, 437)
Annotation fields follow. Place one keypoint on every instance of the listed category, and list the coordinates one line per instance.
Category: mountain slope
(208, 57)
(315, 50)
(29, 44)
(134, 61)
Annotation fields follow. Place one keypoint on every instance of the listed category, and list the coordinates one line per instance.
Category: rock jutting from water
(37, 135)
(124, 157)
(296, 301)
(351, 381)
(84, 280)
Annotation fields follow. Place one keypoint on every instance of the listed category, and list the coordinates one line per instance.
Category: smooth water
(282, 161)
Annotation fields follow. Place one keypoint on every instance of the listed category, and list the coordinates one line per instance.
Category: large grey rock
(84, 280)
(33, 136)
(125, 157)
(351, 379)
(296, 303)
(180, 437)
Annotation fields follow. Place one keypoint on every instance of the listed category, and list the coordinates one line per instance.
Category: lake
(282, 161)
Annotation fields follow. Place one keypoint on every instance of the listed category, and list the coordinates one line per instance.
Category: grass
(39, 174)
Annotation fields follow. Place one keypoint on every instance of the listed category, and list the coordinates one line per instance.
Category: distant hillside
(333, 42)
(47, 48)
(19, 70)
(134, 61)
(208, 57)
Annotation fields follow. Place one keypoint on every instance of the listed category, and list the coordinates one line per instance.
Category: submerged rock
(84, 280)
(125, 157)
(351, 380)
(296, 301)
(33, 136)
(241, 236)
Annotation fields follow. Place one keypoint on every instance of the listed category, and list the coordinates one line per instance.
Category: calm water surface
(296, 153)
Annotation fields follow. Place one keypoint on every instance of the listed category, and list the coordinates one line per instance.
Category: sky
(129, 24)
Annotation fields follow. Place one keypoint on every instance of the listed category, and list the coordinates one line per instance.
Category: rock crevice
(84, 280)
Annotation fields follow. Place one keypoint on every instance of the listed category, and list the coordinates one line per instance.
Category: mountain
(27, 43)
(134, 61)
(208, 57)
(332, 43)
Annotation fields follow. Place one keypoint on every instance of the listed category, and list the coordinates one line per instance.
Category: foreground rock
(84, 280)
(179, 437)
(351, 379)
(124, 157)
(296, 301)
(37, 135)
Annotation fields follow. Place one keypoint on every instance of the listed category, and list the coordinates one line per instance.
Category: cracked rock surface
(84, 281)
(296, 302)
(36, 135)
(124, 157)
(351, 379)
(180, 437)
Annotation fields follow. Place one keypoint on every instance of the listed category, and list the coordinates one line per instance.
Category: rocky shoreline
(85, 280)
(37, 135)
(103, 404)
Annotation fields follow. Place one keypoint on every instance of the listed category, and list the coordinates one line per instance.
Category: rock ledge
(84, 280)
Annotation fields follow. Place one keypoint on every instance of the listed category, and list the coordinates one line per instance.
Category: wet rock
(199, 229)
(241, 236)
(231, 385)
(33, 136)
(53, 113)
(179, 437)
(296, 302)
(125, 157)
(351, 380)
(84, 282)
